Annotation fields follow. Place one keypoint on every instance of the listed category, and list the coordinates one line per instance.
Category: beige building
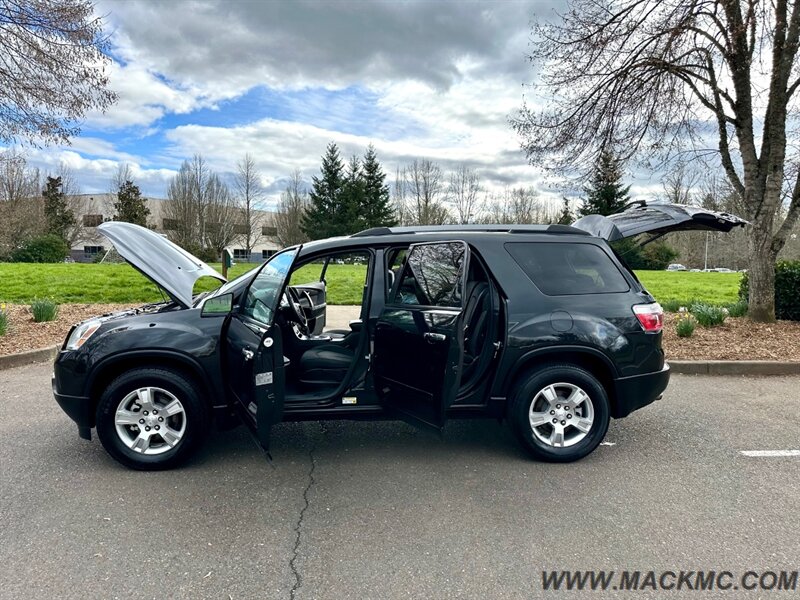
(93, 209)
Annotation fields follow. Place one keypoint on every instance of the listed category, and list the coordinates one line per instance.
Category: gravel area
(736, 339)
(25, 335)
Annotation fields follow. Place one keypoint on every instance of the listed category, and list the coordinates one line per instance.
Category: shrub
(787, 289)
(44, 310)
(737, 309)
(709, 316)
(686, 325)
(3, 320)
(653, 257)
(44, 249)
(671, 306)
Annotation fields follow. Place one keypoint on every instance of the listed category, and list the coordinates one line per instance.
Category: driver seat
(325, 365)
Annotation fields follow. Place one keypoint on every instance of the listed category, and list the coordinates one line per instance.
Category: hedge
(787, 289)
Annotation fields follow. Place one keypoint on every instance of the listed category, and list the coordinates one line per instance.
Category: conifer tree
(325, 194)
(57, 212)
(377, 208)
(605, 194)
(130, 205)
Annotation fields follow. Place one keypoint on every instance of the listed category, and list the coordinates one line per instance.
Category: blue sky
(280, 80)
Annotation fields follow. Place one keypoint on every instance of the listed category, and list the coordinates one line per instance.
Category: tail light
(651, 316)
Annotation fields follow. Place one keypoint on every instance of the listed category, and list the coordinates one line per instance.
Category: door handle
(434, 337)
(247, 353)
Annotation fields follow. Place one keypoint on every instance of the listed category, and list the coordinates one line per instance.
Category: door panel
(419, 337)
(255, 374)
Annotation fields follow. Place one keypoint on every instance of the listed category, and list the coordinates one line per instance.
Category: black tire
(194, 419)
(525, 392)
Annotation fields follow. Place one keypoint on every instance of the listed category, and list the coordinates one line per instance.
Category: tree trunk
(761, 275)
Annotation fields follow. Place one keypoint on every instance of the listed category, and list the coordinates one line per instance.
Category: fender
(565, 351)
(143, 355)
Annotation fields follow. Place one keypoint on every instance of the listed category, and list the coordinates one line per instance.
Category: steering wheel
(294, 303)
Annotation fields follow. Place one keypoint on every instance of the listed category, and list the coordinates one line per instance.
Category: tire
(170, 409)
(570, 395)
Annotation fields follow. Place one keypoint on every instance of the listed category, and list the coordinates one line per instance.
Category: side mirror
(218, 305)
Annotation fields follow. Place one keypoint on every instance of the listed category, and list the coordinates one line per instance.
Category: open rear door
(419, 337)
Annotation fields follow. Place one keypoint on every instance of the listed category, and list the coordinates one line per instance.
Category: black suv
(542, 325)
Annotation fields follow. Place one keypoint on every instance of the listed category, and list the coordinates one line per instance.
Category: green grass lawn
(712, 288)
(20, 283)
(119, 283)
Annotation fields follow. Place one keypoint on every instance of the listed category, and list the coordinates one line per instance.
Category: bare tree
(250, 195)
(289, 217)
(53, 68)
(21, 206)
(223, 216)
(464, 193)
(649, 77)
(679, 185)
(200, 213)
(520, 205)
(185, 206)
(423, 194)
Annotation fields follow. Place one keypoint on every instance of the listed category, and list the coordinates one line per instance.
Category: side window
(311, 272)
(344, 273)
(560, 269)
(262, 293)
(433, 276)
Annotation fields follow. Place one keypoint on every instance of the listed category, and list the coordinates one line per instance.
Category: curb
(31, 356)
(734, 367)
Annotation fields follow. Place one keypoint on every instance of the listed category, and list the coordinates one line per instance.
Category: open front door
(254, 350)
(419, 338)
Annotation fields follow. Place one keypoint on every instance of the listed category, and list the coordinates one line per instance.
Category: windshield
(262, 295)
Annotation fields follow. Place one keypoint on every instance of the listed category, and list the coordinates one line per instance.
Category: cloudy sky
(280, 80)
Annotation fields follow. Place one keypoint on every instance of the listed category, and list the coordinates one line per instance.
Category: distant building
(93, 209)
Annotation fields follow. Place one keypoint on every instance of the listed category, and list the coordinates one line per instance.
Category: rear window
(560, 269)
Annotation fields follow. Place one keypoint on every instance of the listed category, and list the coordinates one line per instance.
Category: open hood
(167, 264)
(657, 219)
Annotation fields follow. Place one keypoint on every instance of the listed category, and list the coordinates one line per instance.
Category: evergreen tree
(350, 209)
(326, 191)
(565, 218)
(57, 212)
(377, 210)
(130, 205)
(606, 194)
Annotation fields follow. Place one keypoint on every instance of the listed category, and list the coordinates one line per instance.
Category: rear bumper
(632, 393)
(78, 408)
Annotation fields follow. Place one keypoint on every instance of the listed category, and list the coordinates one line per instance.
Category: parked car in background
(540, 325)
(676, 267)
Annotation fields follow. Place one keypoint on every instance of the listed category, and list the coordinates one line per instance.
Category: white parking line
(770, 453)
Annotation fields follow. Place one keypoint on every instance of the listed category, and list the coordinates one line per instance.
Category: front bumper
(78, 408)
(632, 393)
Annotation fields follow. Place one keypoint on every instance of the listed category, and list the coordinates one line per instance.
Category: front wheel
(560, 413)
(151, 419)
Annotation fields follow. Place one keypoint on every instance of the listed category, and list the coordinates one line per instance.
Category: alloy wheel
(150, 420)
(561, 415)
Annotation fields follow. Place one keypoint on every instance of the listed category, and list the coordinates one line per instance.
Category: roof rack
(492, 228)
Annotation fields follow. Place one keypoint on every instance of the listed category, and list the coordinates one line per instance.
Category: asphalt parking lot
(380, 510)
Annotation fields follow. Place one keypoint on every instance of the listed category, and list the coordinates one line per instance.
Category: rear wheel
(560, 413)
(151, 419)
